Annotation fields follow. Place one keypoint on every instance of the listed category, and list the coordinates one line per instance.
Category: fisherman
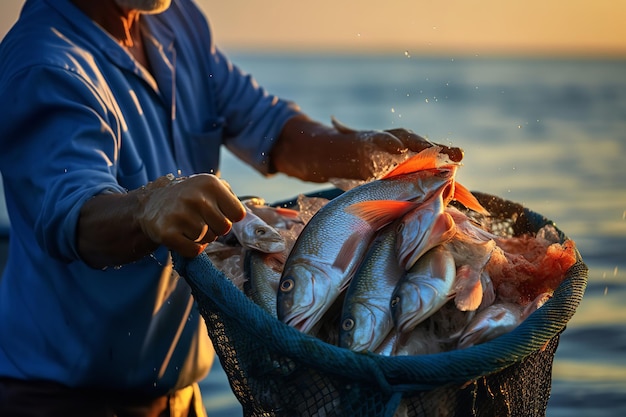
(113, 113)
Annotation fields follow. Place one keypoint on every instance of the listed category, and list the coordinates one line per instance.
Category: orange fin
(426, 159)
(287, 212)
(465, 197)
(469, 289)
(379, 213)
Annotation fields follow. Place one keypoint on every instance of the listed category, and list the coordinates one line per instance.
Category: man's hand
(314, 152)
(186, 214)
(182, 214)
(395, 141)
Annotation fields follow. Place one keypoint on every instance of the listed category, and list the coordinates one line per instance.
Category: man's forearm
(314, 152)
(108, 233)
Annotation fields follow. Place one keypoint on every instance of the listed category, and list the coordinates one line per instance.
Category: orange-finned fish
(334, 241)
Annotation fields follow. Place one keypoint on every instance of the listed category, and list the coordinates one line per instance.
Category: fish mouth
(303, 319)
(307, 301)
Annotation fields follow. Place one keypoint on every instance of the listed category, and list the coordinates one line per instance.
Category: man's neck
(121, 23)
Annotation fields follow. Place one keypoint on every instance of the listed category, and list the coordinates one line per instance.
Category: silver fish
(276, 217)
(366, 317)
(425, 288)
(263, 271)
(253, 233)
(496, 320)
(334, 241)
(423, 228)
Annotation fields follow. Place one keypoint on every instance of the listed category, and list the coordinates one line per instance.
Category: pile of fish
(403, 264)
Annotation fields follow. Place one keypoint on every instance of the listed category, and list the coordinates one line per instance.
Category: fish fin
(426, 159)
(469, 289)
(379, 213)
(465, 197)
(288, 212)
(444, 227)
(346, 254)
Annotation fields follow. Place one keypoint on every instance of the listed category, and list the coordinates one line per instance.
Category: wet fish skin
(262, 271)
(424, 289)
(497, 319)
(423, 228)
(334, 241)
(254, 233)
(366, 317)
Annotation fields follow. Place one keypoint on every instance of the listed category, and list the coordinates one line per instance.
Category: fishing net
(275, 370)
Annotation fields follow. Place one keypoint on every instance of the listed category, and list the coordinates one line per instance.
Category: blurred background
(533, 91)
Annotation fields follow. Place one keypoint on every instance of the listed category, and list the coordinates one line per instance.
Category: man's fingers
(416, 143)
(387, 142)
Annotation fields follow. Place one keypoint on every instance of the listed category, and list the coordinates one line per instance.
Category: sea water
(547, 133)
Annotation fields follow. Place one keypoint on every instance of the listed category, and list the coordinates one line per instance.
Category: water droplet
(393, 110)
(426, 100)
(407, 54)
(606, 290)
(615, 272)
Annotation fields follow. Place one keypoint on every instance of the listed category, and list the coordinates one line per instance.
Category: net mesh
(275, 370)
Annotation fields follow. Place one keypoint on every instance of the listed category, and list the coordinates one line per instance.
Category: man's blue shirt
(80, 117)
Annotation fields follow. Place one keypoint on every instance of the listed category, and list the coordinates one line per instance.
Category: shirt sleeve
(253, 117)
(60, 148)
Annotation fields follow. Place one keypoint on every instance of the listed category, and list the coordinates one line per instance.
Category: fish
(262, 272)
(425, 225)
(366, 316)
(276, 217)
(472, 283)
(424, 289)
(497, 319)
(254, 233)
(422, 229)
(334, 241)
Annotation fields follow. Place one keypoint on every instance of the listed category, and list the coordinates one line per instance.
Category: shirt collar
(160, 38)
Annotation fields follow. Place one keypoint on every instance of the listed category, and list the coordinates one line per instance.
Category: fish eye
(347, 324)
(394, 301)
(260, 232)
(287, 285)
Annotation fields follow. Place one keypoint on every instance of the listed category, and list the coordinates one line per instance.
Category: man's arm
(314, 152)
(184, 215)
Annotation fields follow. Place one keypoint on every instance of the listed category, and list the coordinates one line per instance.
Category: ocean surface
(547, 133)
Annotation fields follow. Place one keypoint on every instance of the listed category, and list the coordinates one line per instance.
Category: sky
(505, 27)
